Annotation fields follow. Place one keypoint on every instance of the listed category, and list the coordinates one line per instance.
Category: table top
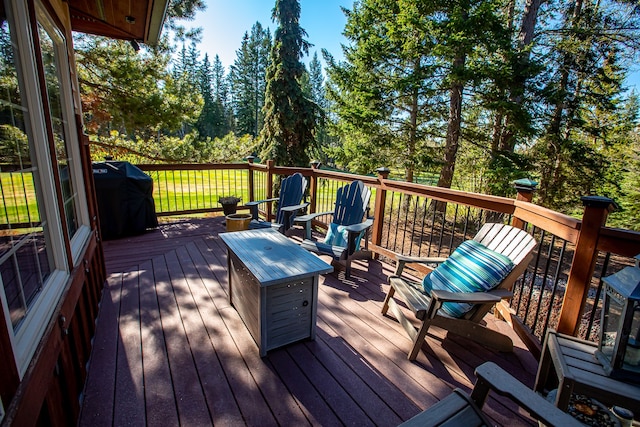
(579, 363)
(272, 258)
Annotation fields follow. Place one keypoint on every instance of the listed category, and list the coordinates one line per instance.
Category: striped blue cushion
(472, 267)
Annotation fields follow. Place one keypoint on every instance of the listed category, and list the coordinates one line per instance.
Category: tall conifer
(290, 118)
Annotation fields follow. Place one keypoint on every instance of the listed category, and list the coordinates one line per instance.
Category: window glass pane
(25, 259)
(50, 47)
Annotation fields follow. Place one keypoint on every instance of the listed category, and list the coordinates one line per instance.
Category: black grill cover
(125, 199)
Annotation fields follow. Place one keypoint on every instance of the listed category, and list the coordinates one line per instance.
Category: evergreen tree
(249, 79)
(208, 122)
(583, 77)
(221, 98)
(121, 91)
(290, 117)
(319, 96)
(382, 92)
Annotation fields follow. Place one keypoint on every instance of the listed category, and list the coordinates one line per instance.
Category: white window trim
(37, 319)
(26, 339)
(79, 239)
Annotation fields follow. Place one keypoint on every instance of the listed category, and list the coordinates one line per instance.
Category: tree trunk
(525, 38)
(550, 169)
(453, 127)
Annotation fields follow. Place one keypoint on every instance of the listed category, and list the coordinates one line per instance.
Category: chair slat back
(509, 241)
(514, 243)
(351, 203)
(291, 192)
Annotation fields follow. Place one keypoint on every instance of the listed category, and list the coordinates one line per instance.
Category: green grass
(192, 190)
(19, 204)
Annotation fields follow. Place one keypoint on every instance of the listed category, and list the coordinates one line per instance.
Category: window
(51, 40)
(33, 262)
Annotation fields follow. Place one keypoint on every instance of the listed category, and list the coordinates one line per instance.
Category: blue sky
(225, 22)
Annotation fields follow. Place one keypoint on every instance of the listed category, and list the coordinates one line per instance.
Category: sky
(225, 22)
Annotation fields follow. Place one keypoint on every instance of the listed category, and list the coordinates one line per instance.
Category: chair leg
(385, 305)
(419, 339)
(416, 337)
(347, 270)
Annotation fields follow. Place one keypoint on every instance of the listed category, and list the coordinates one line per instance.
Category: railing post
(584, 261)
(252, 195)
(270, 164)
(525, 188)
(313, 186)
(381, 200)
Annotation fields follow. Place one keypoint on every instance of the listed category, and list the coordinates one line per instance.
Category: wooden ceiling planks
(119, 19)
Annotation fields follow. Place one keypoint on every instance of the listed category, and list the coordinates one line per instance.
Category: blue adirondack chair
(347, 228)
(289, 203)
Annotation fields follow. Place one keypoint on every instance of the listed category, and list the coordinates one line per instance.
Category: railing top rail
(563, 226)
(193, 166)
(494, 203)
(619, 241)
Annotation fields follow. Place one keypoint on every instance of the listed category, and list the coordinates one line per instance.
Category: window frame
(26, 337)
(82, 234)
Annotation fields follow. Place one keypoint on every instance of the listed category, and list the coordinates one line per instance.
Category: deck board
(170, 350)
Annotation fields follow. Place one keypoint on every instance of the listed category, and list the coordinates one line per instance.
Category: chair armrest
(403, 260)
(359, 228)
(464, 297)
(306, 220)
(258, 202)
(295, 207)
(253, 207)
(420, 260)
(492, 377)
(311, 216)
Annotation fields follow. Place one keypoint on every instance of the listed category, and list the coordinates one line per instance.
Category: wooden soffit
(139, 20)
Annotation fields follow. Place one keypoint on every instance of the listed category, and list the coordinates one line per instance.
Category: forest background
(467, 94)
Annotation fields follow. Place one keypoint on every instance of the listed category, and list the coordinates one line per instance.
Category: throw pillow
(472, 267)
(337, 235)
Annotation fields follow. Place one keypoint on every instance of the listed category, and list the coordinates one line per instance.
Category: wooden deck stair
(170, 350)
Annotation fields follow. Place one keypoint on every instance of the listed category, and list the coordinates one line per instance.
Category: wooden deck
(170, 350)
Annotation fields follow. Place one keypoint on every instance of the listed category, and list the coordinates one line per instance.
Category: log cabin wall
(47, 389)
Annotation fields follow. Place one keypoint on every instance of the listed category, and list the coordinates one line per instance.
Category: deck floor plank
(98, 398)
(158, 387)
(185, 357)
(219, 394)
(268, 383)
(190, 401)
(129, 398)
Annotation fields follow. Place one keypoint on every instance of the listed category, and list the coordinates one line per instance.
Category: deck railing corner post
(380, 206)
(596, 210)
(250, 159)
(313, 186)
(269, 190)
(525, 188)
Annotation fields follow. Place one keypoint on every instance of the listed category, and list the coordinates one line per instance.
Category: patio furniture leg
(419, 339)
(385, 306)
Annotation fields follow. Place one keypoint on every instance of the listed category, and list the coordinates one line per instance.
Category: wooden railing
(560, 290)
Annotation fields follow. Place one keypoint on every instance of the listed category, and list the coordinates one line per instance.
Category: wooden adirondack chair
(289, 203)
(514, 243)
(347, 229)
(462, 410)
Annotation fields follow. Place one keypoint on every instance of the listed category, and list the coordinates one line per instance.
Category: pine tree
(220, 89)
(318, 94)
(290, 117)
(249, 79)
(584, 76)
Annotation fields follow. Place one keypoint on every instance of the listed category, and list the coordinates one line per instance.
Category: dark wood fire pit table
(273, 284)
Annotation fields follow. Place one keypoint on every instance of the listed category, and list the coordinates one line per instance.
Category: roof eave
(157, 16)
